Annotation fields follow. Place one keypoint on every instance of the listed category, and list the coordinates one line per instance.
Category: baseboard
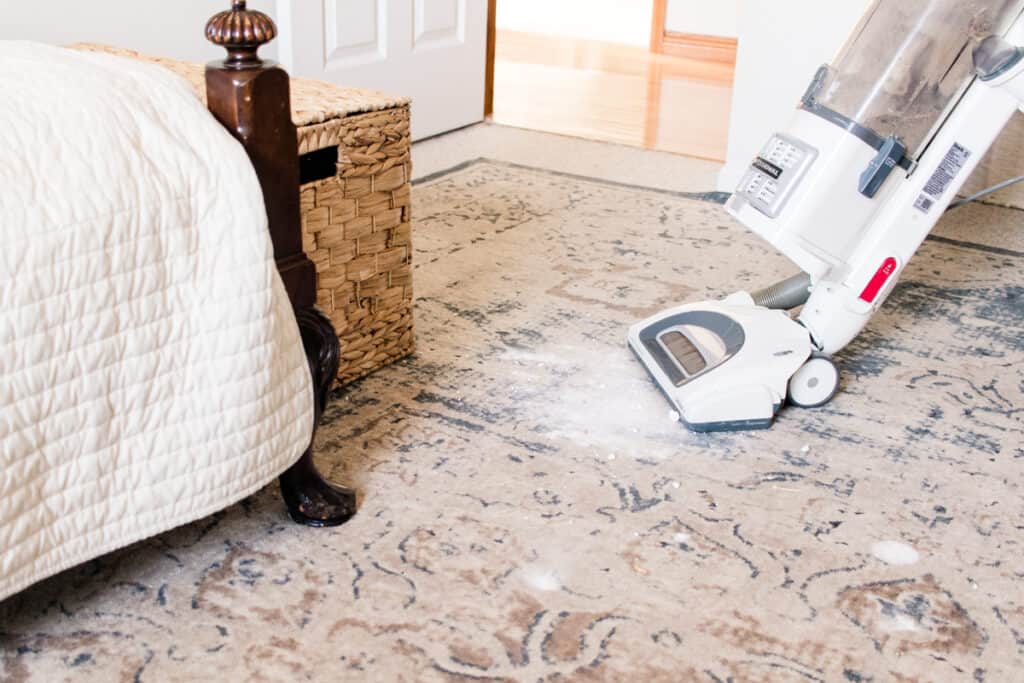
(698, 47)
(730, 175)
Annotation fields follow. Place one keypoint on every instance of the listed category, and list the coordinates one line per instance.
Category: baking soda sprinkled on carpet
(895, 553)
(605, 398)
(541, 578)
(898, 623)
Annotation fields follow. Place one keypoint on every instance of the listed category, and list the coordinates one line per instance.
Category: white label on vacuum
(944, 175)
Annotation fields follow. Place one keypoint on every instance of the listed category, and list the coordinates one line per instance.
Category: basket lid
(313, 102)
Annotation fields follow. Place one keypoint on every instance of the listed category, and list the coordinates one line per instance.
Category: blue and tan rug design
(529, 511)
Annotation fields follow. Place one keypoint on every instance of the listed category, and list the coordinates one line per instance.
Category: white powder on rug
(597, 398)
(541, 578)
(899, 623)
(895, 553)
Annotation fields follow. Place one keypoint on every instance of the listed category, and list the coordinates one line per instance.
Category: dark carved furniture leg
(252, 99)
(310, 499)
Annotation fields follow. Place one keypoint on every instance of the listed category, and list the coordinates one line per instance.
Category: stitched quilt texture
(151, 370)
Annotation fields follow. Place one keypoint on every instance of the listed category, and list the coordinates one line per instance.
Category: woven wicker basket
(356, 223)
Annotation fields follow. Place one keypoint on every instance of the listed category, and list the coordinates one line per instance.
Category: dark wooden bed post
(252, 99)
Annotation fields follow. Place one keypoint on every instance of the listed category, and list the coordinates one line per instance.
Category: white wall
(781, 45)
(718, 18)
(171, 28)
(610, 21)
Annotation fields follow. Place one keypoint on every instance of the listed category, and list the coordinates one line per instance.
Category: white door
(431, 50)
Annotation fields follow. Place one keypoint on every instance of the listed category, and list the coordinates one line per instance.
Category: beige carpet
(530, 513)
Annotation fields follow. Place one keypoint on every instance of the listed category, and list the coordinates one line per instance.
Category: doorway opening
(656, 74)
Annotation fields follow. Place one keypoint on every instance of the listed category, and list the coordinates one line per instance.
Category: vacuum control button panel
(775, 173)
(783, 153)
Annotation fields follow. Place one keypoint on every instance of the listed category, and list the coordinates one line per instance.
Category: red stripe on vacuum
(871, 292)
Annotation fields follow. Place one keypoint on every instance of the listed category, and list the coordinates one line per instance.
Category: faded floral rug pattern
(529, 512)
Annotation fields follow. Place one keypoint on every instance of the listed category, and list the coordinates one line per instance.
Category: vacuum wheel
(815, 383)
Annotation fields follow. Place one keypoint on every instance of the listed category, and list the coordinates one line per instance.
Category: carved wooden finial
(241, 31)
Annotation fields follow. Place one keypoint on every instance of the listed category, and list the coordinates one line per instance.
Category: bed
(163, 357)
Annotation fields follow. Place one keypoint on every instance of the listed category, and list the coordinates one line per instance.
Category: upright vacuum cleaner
(877, 150)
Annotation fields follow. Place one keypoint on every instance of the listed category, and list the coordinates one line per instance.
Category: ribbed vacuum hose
(785, 295)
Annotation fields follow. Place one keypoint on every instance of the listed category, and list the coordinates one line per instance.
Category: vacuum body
(880, 145)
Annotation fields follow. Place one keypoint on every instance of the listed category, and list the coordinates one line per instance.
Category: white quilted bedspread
(151, 370)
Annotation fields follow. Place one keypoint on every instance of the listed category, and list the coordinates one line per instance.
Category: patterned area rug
(531, 513)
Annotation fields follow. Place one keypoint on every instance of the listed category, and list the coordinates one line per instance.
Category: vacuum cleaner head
(724, 366)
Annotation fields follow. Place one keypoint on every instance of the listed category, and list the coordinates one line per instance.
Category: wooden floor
(613, 93)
